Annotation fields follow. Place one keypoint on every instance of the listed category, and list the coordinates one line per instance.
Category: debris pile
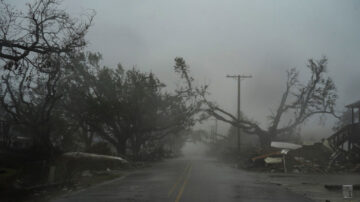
(316, 158)
(310, 158)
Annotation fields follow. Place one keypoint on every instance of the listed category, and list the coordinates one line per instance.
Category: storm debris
(316, 158)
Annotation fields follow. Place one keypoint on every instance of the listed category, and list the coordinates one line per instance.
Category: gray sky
(262, 38)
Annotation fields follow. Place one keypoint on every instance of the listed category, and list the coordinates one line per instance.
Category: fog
(194, 150)
(216, 38)
(83, 117)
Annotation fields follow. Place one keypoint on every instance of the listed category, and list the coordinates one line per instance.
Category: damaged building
(340, 152)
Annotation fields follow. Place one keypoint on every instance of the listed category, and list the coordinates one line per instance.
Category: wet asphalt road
(190, 179)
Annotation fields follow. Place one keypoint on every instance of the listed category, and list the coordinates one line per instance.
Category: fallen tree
(299, 102)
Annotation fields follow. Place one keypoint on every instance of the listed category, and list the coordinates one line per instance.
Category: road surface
(191, 179)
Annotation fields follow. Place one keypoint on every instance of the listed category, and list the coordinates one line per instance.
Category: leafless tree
(35, 50)
(44, 29)
(30, 103)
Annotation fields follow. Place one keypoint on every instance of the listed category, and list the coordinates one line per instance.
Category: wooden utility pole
(216, 129)
(213, 131)
(238, 77)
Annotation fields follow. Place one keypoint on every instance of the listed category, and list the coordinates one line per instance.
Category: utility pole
(238, 77)
(213, 131)
(216, 129)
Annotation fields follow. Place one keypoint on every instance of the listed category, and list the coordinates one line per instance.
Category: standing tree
(44, 29)
(127, 108)
(35, 47)
(30, 102)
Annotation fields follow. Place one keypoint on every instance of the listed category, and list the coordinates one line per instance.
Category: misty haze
(206, 100)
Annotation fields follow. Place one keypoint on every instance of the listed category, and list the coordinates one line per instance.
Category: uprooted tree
(298, 103)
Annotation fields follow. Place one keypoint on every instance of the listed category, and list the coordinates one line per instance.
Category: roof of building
(354, 105)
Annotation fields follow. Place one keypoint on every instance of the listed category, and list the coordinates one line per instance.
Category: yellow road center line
(184, 185)
(179, 179)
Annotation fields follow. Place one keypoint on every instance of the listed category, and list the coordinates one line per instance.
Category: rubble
(316, 158)
(285, 145)
(273, 160)
(338, 153)
(80, 161)
(315, 154)
(94, 157)
(265, 155)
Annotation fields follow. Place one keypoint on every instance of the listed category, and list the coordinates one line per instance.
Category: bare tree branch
(44, 29)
